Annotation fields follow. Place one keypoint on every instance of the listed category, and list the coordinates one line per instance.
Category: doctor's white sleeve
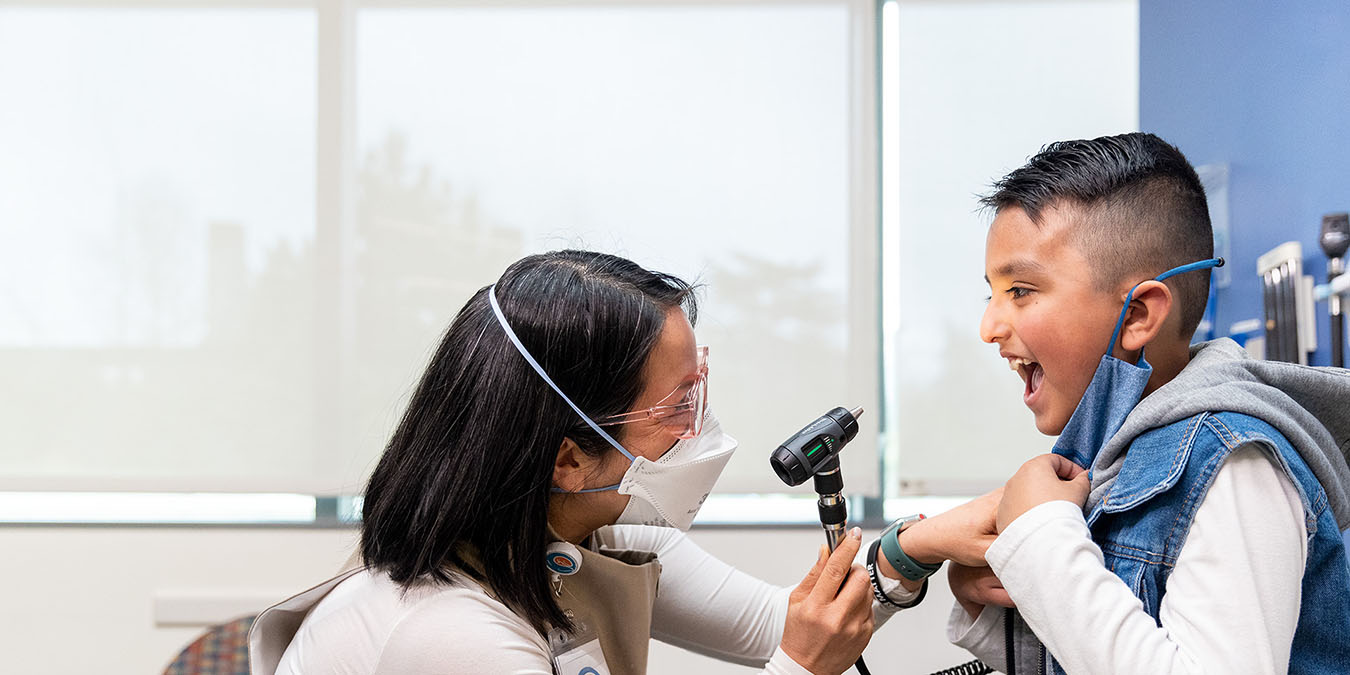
(708, 607)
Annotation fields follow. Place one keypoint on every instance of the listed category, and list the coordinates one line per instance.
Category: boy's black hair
(463, 486)
(1138, 209)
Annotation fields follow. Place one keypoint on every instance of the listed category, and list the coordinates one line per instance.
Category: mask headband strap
(1120, 321)
(520, 347)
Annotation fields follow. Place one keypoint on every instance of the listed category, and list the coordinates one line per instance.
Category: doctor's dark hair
(1138, 208)
(463, 485)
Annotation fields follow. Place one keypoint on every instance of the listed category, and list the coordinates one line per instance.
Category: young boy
(1206, 534)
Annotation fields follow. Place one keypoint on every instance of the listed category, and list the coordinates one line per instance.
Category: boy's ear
(1146, 316)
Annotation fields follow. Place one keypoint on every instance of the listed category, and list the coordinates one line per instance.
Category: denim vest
(1142, 524)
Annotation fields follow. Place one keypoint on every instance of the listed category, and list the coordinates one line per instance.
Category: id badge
(584, 659)
(577, 652)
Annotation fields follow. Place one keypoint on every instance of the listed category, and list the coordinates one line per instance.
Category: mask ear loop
(520, 347)
(1129, 297)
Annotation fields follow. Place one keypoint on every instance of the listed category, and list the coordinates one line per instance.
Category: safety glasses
(680, 413)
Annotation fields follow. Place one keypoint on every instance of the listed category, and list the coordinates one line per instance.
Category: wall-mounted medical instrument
(1287, 294)
(1335, 240)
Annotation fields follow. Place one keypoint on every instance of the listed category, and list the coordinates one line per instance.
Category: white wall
(82, 600)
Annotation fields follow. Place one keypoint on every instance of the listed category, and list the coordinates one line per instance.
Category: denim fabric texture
(1142, 524)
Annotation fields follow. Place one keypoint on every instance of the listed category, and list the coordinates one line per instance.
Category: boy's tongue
(1035, 376)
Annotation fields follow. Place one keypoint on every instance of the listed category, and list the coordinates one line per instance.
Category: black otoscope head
(1335, 239)
(813, 448)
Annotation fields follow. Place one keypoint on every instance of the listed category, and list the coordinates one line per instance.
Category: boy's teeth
(1015, 363)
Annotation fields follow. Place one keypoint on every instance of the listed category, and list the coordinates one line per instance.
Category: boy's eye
(1018, 292)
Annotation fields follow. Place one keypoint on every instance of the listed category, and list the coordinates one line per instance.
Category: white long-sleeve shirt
(369, 625)
(1232, 602)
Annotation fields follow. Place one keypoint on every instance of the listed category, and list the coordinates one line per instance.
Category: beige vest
(612, 594)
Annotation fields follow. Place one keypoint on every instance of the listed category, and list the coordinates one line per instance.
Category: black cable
(1008, 643)
(976, 667)
(862, 667)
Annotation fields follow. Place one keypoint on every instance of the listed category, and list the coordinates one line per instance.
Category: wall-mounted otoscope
(1335, 240)
(813, 452)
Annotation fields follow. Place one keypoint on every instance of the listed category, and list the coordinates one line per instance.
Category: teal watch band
(908, 567)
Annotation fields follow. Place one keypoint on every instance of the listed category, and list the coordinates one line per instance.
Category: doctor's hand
(1042, 479)
(829, 619)
(975, 588)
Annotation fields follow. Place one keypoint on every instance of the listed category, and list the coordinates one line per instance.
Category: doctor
(527, 515)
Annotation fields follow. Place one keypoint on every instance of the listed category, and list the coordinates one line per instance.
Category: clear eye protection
(681, 413)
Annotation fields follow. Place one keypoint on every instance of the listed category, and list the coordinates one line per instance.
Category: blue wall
(1265, 87)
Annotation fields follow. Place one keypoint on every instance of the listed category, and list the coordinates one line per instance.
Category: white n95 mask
(667, 492)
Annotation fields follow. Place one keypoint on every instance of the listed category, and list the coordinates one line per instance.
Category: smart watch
(908, 567)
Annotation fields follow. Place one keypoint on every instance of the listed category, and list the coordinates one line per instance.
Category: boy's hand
(961, 535)
(976, 587)
(1042, 479)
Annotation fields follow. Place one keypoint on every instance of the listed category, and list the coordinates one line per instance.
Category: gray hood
(1309, 406)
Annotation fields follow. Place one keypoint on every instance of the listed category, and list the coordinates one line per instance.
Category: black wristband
(875, 572)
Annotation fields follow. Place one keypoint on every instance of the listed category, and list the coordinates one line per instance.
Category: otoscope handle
(828, 480)
(813, 453)
(1335, 268)
(831, 506)
(1335, 242)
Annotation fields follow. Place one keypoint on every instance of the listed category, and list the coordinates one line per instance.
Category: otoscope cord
(976, 667)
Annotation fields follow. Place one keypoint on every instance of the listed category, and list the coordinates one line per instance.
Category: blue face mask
(1114, 391)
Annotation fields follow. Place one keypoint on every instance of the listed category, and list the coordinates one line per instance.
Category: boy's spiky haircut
(1138, 209)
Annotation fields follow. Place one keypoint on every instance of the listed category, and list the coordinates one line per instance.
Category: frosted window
(719, 143)
(156, 224)
(982, 86)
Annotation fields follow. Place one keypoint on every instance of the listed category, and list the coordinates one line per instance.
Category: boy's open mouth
(1032, 374)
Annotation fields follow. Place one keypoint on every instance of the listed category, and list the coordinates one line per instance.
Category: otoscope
(813, 452)
(1335, 240)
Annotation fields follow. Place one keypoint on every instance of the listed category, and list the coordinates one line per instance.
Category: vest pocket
(1130, 566)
